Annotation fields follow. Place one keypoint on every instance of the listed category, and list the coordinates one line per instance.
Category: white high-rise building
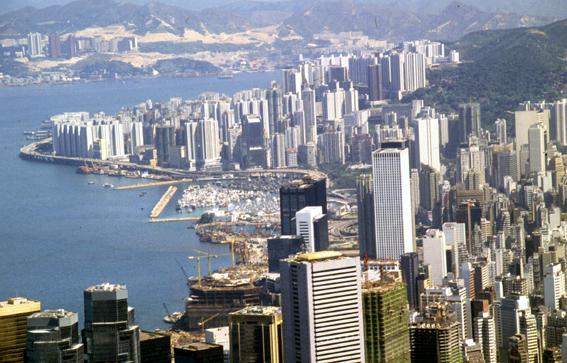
(427, 137)
(553, 285)
(35, 45)
(485, 334)
(333, 105)
(322, 308)
(536, 147)
(456, 236)
(434, 255)
(309, 109)
(208, 142)
(501, 131)
(136, 135)
(191, 144)
(351, 101)
(305, 220)
(392, 203)
(559, 120)
(278, 151)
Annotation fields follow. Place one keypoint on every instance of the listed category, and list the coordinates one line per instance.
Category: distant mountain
(376, 19)
(504, 68)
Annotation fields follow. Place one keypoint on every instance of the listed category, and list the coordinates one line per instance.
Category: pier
(163, 202)
(176, 219)
(152, 184)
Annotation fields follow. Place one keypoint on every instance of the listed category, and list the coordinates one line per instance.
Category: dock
(176, 219)
(152, 184)
(163, 202)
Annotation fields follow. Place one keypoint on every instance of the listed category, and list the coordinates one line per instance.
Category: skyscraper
(35, 45)
(386, 332)
(322, 308)
(13, 326)
(392, 203)
(312, 225)
(110, 334)
(53, 336)
(537, 142)
(427, 139)
(309, 110)
(434, 254)
(298, 195)
(256, 335)
(553, 285)
(435, 340)
(469, 120)
(485, 336)
(375, 92)
(409, 264)
(365, 203)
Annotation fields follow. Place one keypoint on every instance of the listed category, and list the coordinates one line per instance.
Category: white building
(426, 132)
(305, 220)
(322, 308)
(536, 146)
(553, 285)
(392, 203)
(485, 333)
(434, 255)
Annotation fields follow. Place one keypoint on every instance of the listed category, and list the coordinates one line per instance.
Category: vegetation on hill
(503, 68)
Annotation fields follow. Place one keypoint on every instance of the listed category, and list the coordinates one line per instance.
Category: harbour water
(59, 234)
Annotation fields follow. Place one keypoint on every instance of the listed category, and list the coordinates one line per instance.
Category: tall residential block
(110, 334)
(386, 331)
(256, 335)
(13, 327)
(53, 336)
(392, 203)
(322, 308)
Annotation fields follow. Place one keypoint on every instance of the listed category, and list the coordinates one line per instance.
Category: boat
(225, 76)
(173, 317)
(91, 182)
(108, 185)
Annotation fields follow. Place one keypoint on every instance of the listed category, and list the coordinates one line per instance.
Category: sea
(61, 232)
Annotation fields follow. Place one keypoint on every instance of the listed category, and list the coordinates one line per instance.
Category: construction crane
(204, 321)
(198, 259)
(209, 256)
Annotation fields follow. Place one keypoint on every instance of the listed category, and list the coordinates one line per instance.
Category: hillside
(506, 67)
(380, 20)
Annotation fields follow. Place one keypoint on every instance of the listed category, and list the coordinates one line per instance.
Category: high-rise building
(254, 142)
(322, 308)
(537, 136)
(469, 120)
(529, 329)
(54, 46)
(524, 119)
(282, 247)
(107, 314)
(155, 347)
(501, 131)
(13, 327)
(310, 115)
(485, 336)
(199, 353)
(553, 285)
(426, 131)
(331, 147)
(435, 340)
(256, 335)
(434, 254)
(53, 336)
(298, 195)
(429, 180)
(365, 203)
(409, 264)
(558, 124)
(507, 312)
(312, 225)
(386, 332)
(375, 92)
(278, 151)
(35, 45)
(392, 203)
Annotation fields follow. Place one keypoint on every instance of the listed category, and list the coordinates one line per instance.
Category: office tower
(282, 247)
(312, 225)
(558, 124)
(365, 214)
(435, 340)
(485, 336)
(375, 92)
(518, 349)
(155, 347)
(278, 151)
(553, 285)
(53, 336)
(322, 308)
(310, 113)
(337, 74)
(13, 326)
(107, 314)
(469, 120)
(351, 101)
(274, 96)
(528, 328)
(501, 131)
(536, 146)
(386, 332)
(35, 46)
(192, 144)
(256, 335)
(415, 186)
(254, 145)
(434, 254)
(471, 165)
(292, 81)
(426, 131)
(409, 264)
(54, 46)
(331, 147)
(297, 195)
(429, 180)
(526, 118)
(507, 315)
(507, 166)
(208, 147)
(392, 203)
(307, 155)
(165, 137)
(199, 353)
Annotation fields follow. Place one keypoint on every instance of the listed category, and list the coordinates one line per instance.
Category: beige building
(13, 327)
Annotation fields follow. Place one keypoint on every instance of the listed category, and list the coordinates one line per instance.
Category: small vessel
(108, 185)
(91, 182)
(173, 317)
(225, 76)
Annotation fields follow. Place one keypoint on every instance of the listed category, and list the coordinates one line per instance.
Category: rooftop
(256, 310)
(18, 305)
(317, 256)
(106, 287)
(59, 313)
